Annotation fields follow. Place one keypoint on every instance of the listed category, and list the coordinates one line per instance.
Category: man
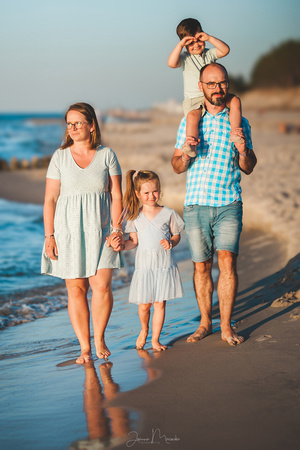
(213, 204)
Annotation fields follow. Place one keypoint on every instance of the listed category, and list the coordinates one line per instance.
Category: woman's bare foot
(84, 358)
(102, 350)
(158, 347)
(199, 334)
(141, 340)
(232, 338)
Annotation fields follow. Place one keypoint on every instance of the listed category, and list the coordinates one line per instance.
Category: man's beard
(218, 101)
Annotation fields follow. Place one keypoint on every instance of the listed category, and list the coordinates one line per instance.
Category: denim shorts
(206, 224)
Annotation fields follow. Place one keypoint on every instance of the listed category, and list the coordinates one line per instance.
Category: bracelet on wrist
(117, 230)
(49, 235)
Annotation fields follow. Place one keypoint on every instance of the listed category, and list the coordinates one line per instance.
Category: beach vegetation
(278, 68)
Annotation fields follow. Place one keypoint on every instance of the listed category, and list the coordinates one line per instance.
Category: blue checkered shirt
(213, 177)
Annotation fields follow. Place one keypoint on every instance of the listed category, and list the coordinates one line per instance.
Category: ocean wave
(25, 294)
(29, 308)
(23, 138)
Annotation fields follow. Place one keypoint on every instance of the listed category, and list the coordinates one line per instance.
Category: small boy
(193, 39)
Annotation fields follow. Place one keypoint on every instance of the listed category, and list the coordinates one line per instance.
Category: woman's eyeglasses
(77, 125)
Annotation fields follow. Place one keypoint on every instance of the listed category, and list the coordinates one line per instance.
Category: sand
(26, 186)
(210, 395)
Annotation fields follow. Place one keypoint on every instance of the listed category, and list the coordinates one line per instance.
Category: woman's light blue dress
(82, 216)
(156, 277)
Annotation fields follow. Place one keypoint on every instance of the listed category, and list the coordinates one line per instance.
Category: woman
(83, 202)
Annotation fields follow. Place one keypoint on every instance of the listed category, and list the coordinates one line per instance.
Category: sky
(114, 53)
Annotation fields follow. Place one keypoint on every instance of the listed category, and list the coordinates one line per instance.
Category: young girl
(155, 229)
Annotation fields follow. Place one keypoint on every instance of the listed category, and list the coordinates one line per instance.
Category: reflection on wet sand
(106, 426)
(146, 356)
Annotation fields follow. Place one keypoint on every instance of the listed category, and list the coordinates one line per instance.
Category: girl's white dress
(156, 277)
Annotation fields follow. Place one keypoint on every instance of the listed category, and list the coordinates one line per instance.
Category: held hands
(51, 248)
(166, 244)
(116, 241)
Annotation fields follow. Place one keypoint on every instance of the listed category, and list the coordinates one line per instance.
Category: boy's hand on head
(204, 36)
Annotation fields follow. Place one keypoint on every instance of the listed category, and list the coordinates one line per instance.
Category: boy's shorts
(205, 224)
(191, 104)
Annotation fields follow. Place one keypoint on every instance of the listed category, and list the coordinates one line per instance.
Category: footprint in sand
(295, 314)
(266, 337)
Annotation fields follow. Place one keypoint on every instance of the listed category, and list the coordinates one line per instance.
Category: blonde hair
(134, 182)
(90, 116)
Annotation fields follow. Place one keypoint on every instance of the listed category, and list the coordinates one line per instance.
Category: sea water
(23, 136)
(25, 294)
(36, 335)
(57, 403)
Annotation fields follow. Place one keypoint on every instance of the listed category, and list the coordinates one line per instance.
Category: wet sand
(210, 395)
(214, 396)
(202, 395)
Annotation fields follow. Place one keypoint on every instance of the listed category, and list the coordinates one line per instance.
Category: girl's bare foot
(102, 350)
(158, 347)
(84, 358)
(141, 340)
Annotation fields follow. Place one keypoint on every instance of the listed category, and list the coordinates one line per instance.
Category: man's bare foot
(199, 334)
(84, 358)
(141, 340)
(158, 347)
(102, 350)
(232, 339)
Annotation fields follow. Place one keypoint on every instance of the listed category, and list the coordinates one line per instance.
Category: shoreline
(270, 193)
(185, 392)
(209, 394)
